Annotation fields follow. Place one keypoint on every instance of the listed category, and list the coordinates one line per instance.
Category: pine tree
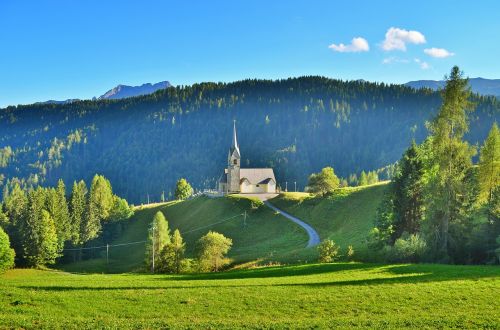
(363, 179)
(172, 254)
(99, 205)
(40, 243)
(78, 206)
(452, 158)
(57, 206)
(489, 165)
(408, 190)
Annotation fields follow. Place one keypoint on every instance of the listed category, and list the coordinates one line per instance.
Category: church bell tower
(233, 165)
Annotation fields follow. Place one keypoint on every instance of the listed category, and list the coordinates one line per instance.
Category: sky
(80, 49)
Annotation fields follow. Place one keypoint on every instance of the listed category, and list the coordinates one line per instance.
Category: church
(237, 180)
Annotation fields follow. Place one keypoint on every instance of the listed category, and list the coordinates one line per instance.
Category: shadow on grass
(408, 274)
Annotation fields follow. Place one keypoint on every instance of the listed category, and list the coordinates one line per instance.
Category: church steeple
(234, 145)
(233, 165)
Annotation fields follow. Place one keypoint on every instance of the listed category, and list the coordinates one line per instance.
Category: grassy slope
(346, 217)
(344, 295)
(266, 235)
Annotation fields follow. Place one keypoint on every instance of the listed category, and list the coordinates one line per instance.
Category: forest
(144, 144)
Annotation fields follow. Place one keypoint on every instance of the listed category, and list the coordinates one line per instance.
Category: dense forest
(144, 144)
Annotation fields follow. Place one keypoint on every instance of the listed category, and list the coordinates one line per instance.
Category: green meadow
(341, 295)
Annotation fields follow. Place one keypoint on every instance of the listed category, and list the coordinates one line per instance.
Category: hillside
(342, 295)
(297, 126)
(265, 235)
(346, 218)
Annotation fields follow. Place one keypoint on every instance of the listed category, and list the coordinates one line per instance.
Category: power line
(139, 242)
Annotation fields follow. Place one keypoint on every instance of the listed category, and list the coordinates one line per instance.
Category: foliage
(212, 250)
(350, 253)
(183, 189)
(328, 251)
(408, 248)
(323, 182)
(6, 253)
(185, 132)
(172, 255)
(159, 237)
(489, 165)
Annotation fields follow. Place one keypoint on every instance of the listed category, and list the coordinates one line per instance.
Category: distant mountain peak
(478, 85)
(124, 91)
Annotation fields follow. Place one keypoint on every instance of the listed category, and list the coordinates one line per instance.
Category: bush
(408, 248)
(328, 251)
(350, 253)
(6, 253)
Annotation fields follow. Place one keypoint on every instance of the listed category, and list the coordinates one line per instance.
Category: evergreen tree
(40, 242)
(363, 179)
(408, 190)
(172, 254)
(99, 205)
(183, 189)
(6, 253)
(16, 203)
(78, 206)
(452, 158)
(489, 165)
(57, 207)
(158, 238)
(323, 182)
(212, 249)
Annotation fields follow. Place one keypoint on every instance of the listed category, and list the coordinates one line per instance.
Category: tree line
(41, 222)
(441, 206)
(296, 126)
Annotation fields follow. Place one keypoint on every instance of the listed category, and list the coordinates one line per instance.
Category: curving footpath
(313, 235)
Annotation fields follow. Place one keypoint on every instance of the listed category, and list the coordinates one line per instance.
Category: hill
(264, 235)
(296, 126)
(343, 295)
(346, 217)
(478, 85)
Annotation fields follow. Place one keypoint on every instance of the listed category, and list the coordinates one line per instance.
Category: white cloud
(423, 65)
(396, 39)
(438, 52)
(357, 45)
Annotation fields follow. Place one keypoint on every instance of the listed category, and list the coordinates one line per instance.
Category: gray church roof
(257, 175)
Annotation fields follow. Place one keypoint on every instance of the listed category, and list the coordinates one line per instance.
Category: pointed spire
(234, 145)
(235, 141)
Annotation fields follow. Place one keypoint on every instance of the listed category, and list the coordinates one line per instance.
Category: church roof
(257, 175)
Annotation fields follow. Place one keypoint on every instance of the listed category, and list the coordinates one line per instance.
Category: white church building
(237, 180)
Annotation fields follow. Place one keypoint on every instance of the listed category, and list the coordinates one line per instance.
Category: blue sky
(80, 49)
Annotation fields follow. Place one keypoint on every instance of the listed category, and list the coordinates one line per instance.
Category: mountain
(146, 143)
(58, 102)
(123, 91)
(478, 85)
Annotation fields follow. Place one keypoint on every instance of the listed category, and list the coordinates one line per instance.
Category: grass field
(346, 217)
(265, 235)
(342, 295)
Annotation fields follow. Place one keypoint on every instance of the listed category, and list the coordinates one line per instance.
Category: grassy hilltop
(345, 217)
(328, 295)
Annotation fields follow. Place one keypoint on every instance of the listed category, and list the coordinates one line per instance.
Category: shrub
(6, 253)
(350, 253)
(408, 248)
(328, 251)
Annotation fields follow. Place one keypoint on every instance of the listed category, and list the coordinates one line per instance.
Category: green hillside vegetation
(342, 295)
(266, 236)
(346, 216)
(296, 126)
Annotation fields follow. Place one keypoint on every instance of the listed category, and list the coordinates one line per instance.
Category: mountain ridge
(478, 85)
